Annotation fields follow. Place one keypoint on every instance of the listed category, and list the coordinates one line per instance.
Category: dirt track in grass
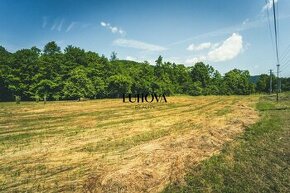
(109, 146)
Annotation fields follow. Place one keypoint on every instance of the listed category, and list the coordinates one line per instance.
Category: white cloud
(53, 26)
(141, 59)
(44, 22)
(228, 50)
(131, 58)
(60, 25)
(195, 60)
(113, 29)
(269, 5)
(121, 32)
(174, 59)
(57, 25)
(199, 47)
(71, 25)
(215, 45)
(138, 45)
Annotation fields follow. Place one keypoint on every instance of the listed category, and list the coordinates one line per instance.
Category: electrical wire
(270, 27)
(276, 32)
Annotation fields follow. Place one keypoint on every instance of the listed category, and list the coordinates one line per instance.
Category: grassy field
(257, 161)
(110, 146)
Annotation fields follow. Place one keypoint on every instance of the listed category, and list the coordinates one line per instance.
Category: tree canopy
(75, 73)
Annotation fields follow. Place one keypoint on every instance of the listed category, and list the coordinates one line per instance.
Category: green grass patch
(265, 105)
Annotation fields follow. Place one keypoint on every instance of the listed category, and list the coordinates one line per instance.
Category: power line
(270, 28)
(285, 54)
(278, 25)
(284, 66)
(276, 32)
(285, 59)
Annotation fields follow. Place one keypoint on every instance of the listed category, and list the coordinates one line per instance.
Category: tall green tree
(119, 85)
(51, 70)
(202, 73)
(237, 82)
(263, 83)
(78, 85)
(114, 56)
(5, 75)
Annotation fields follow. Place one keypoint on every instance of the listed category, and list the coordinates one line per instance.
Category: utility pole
(280, 89)
(271, 88)
(278, 82)
(277, 53)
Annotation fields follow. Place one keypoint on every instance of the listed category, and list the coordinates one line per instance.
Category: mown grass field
(111, 146)
(257, 161)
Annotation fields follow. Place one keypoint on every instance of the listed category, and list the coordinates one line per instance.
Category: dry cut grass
(109, 146)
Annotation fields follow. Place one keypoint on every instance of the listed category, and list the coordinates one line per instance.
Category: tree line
(33, 74)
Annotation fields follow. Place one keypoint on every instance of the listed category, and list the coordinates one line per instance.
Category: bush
(17, 99)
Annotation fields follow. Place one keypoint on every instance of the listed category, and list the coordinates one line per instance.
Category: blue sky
(226, 34)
